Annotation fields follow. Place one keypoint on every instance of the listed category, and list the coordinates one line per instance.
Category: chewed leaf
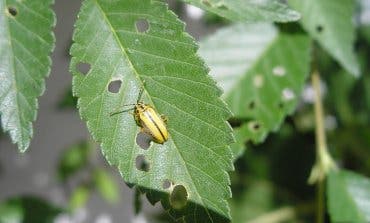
(262, 71)
(331, 24)
(130, 45)
(26, 40)
(248, 10)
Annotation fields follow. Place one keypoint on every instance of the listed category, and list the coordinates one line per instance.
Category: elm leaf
(331, 23)
(26, 40)
(248, 10)
(262, 71)
(130, 45)
(348, 197)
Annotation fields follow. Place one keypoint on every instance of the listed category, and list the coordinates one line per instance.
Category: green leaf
(79, 197)
(341, 84)
(331, 23)
(68, 100)
(176, 85)
(241, 133)
(248, 10)
(106, 186)
(262, 72)
(26, 39)
(73, 159)
(348, 197)
(28, 210)
(256, 200)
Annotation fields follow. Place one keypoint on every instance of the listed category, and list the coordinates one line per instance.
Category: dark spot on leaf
(178, 197)
(83, 68)
(280, 105)
(207, 3)
(114, 86)
(319, 28)
(141, 163)
(222, 6)
(143, 140)
(166, 184)
(251, 105)
(12, 11)
(142, 25)
(256, 126)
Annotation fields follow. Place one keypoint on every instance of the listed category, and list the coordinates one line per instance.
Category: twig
(324, 162)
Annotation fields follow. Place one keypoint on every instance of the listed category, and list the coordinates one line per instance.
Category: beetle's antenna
(122, 111)
(128, 105)
(140, 94)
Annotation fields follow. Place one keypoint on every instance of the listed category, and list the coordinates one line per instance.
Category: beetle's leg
(164, 118)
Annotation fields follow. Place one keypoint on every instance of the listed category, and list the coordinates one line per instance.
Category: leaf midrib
(137, 76)
(17, 114)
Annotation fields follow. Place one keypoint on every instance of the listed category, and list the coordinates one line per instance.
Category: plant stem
(320, 212)
(321, 145)
(324, 162)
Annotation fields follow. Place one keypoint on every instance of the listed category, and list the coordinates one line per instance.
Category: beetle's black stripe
(151, 119)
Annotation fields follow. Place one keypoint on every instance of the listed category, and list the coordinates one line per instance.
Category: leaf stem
(324, 162)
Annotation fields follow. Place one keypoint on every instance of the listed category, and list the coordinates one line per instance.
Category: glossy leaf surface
(26, 40)
(332, 25)
(141, 45)
(262, 71)
(248, 10)
(348, 197)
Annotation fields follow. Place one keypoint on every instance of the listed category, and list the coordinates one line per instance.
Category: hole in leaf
(279, 71)
(178, 197)
(166, 184)
(143, 140)
(141, 163)
(142, 25)
(83, 68)
(288, 94)
(12, 11)
(254, 126)
(114, 86)
(319, 28)
(252, 105)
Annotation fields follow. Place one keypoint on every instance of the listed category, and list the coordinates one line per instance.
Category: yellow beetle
(148, 119)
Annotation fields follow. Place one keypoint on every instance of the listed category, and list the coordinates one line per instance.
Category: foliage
(248, 10)
(28, 210)
(123, 47)
(73, 159)
(178, 88)
(348, 197)
(78, 160)
(265, 76)
(322, 19)
(26, 41)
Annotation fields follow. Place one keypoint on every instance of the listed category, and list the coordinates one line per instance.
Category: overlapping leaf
(160, 58)
(332, 25)
(262, 72)
(348, 197)
(248, 10)
(28, 209)
(26, 40)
